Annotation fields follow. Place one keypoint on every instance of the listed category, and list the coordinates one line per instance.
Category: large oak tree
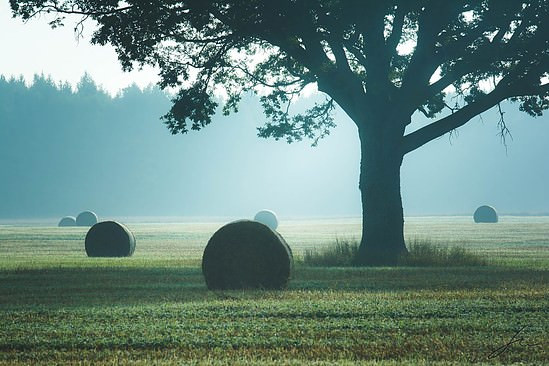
(380, 61)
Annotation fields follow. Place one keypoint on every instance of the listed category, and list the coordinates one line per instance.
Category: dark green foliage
(67, 221)
(246, 254)
(185, 107)
(109, 239)
(340, 254)
(424, 253)
(314, 124)
(486, 214)
(86, 218)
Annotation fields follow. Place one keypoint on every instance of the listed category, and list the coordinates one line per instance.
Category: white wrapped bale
(268, 218)
(485, 214)
(67, 221)
(86, 218)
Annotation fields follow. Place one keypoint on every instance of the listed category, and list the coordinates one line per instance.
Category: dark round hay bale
(268, 218)
(86, 218)
(246, 254)
(67, 221)
(485, 214)
(109, 239)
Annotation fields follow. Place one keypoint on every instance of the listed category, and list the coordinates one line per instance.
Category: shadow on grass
(100, 286)
(418, 278)
(60, 287)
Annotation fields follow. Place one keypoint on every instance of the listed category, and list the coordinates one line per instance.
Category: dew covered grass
(58, 306)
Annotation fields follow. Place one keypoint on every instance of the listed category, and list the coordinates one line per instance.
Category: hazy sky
(27, 49)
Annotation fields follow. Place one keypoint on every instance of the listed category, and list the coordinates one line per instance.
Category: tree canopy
(403, 52)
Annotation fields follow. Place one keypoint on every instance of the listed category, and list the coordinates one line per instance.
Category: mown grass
(155, 309)
(166, 314)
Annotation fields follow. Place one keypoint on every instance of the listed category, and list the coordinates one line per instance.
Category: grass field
(58, 306)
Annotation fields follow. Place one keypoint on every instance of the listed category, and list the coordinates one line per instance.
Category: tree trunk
(382, 215)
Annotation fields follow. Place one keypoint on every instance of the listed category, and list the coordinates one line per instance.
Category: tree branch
(436, 129)
(341, 59)
(57, 9)
(377, 56)
(262, 82)
(424, 63)
(396, 32)
(355, 51)
(476, 62)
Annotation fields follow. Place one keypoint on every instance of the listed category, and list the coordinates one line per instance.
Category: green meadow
(58, 306)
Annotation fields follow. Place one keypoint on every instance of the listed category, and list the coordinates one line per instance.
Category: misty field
(58, 306)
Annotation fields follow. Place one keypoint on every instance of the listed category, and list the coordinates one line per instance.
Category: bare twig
(73, 10)
(503, 129)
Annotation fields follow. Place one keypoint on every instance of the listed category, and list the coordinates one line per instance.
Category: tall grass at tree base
(339, 254)
(425, 253)
(421, 253)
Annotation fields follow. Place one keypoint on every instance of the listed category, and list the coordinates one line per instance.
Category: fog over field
(62, 152)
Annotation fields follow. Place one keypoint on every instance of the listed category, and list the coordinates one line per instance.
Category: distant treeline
(45, 100)
(64, 150)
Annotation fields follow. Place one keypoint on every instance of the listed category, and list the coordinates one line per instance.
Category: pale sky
(33, 47)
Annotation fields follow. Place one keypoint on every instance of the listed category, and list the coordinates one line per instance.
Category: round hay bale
(485, 214)
(246, 254)
(268, 218)
(109, 239)
(86, 218)
(67, 221)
